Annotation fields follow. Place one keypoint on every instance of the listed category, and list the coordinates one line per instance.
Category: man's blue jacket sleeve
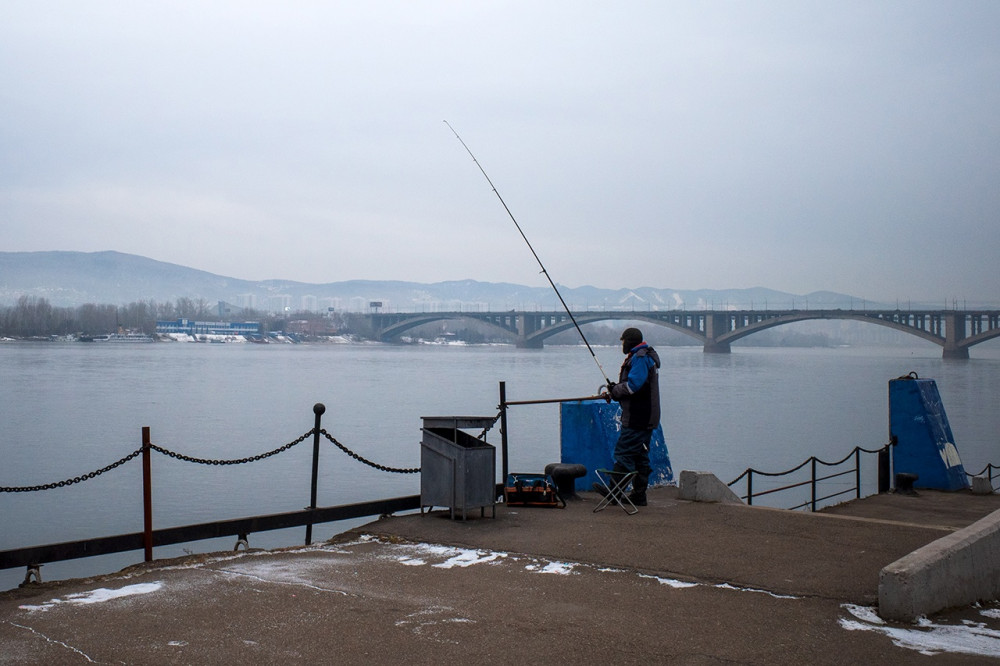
(638, 373)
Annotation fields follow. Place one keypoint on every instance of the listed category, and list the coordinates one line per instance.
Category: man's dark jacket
(638, 388)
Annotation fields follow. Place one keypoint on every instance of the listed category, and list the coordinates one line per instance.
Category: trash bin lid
(457, 421)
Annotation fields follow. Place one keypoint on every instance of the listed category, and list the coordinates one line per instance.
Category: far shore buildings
(195, 328)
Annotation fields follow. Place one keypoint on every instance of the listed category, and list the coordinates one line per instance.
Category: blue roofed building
(195, 328)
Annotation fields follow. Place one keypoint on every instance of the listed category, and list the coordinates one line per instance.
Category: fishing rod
(540, 265)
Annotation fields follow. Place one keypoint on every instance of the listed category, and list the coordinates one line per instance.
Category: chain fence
(359, 458)
(987, 471)
(482, 435)
(394, 470)
(235, 461)
(209, 461)
(70, 482)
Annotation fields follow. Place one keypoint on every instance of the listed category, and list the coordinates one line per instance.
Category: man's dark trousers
(632, 455)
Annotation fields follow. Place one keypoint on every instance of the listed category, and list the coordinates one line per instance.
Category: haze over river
(68, 409)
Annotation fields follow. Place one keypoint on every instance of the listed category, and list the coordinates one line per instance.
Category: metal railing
(815, 478)
(502, 417)
(33, 557)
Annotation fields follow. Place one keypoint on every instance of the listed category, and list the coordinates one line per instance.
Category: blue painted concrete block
(588, 432)
(925, 445)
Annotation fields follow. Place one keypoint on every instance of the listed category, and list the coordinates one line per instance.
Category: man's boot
(613, 479)
(638, 494)
(604, 491)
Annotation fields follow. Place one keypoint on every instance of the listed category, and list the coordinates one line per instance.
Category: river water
(69, 409)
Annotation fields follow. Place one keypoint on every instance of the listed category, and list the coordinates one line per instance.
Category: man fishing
(638, 393)
(638, 388)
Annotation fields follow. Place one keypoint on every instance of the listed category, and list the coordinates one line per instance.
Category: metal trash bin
(457, 470)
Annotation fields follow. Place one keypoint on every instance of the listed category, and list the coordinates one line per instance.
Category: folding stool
(616, 490)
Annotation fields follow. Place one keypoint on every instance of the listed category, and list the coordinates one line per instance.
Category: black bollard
(904, 483)
(565, 476)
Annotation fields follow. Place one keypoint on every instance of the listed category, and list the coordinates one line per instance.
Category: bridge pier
(954, 352)
(954, 331)
(716, 324)
(524, 343)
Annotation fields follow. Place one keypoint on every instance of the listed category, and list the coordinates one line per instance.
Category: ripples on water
(68, 409)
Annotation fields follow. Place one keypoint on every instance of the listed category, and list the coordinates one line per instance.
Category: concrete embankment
(958, 569)
(679, 582)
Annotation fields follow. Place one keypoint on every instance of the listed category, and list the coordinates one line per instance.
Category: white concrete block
(705, 487)
(981, 486)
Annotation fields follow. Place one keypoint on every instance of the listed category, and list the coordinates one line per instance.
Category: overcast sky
(801, 146)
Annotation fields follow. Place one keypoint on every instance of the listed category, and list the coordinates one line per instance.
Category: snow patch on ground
(926, 637)
(669, 582)
(97, 596)
(559, 568)
(429, 623)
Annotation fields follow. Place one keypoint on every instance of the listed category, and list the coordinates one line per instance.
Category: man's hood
(645, 350)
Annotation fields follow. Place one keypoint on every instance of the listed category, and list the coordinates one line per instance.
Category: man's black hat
(632, 336)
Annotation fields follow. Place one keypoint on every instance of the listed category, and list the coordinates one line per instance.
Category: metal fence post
(883, 469)
(147, 497)
(503, 431)
(318, 410)
(813, 484)
(750, 487)
(857, 472)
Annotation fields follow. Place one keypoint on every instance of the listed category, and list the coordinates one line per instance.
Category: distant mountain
(75, 278)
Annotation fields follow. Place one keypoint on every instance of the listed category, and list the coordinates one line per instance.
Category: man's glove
(611, 387)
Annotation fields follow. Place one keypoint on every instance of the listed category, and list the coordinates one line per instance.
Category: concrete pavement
(679, 582)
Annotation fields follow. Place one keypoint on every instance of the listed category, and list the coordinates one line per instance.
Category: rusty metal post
(147, 497)
(318, 410)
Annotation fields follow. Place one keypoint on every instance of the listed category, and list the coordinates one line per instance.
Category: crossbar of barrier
(239, 527)
(814, 478)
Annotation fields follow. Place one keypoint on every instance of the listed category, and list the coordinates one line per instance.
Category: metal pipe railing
(505, 404)
(815, 478)
(237, 527)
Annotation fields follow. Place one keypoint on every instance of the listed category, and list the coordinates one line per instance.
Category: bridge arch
(954, 331)
(981, 337)
(756, 327)
(534, 340)
(389, 326)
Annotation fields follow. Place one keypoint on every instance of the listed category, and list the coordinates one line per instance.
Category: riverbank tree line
(35, 317)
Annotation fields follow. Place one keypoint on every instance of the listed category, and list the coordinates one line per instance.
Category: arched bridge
(953, 330)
